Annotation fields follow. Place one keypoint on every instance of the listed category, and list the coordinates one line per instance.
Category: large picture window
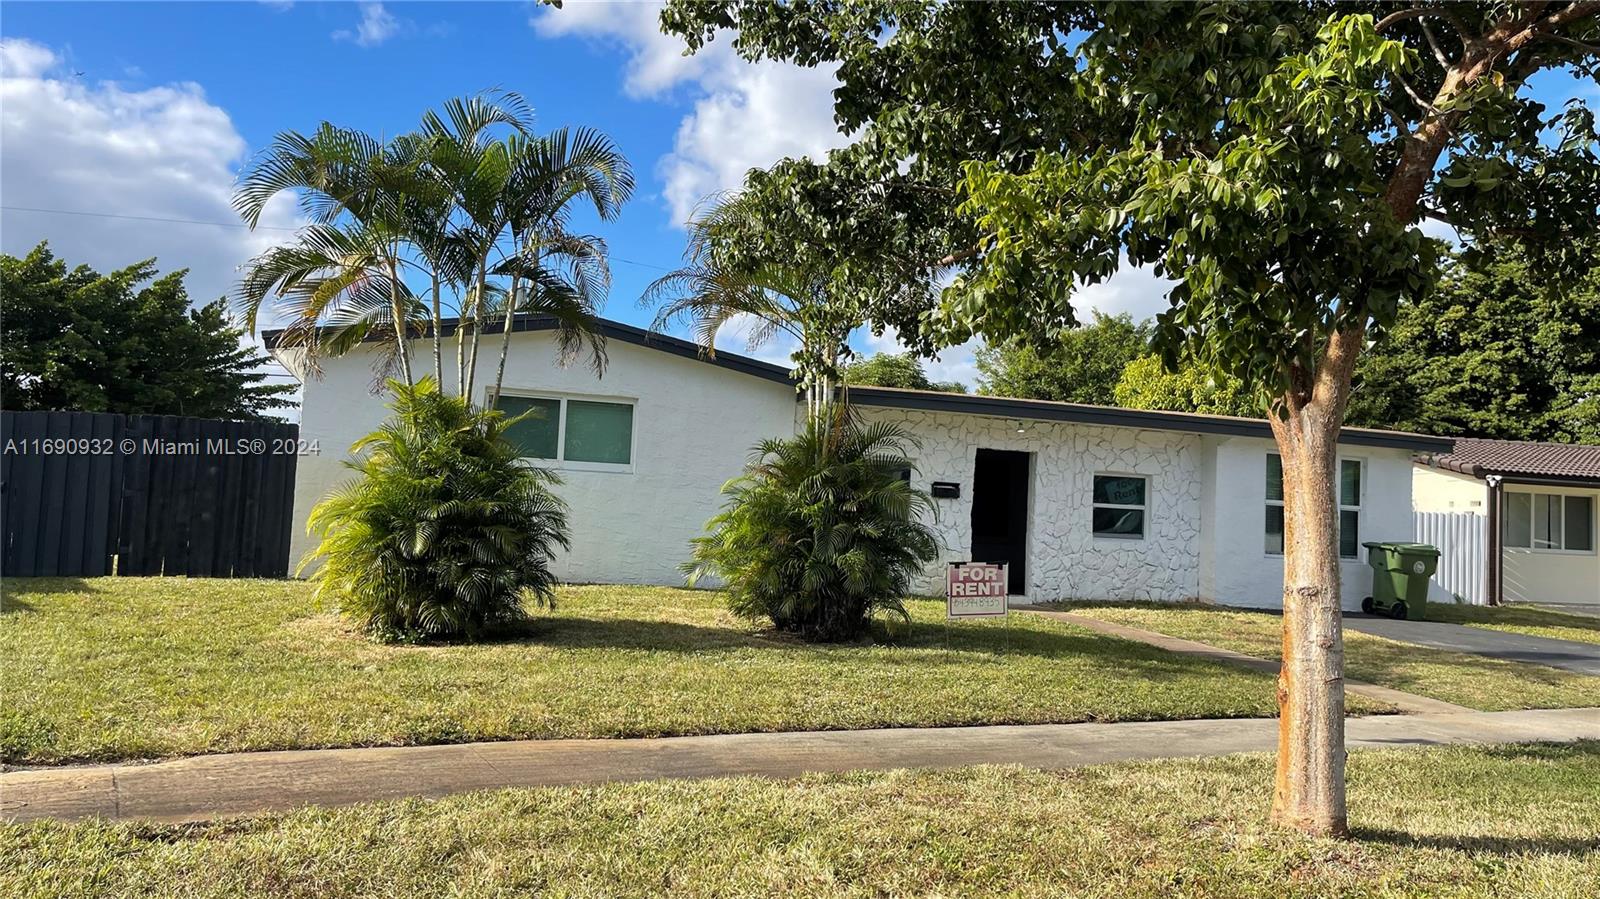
(1119, 505)
(1548, 521)
(571, 430)
(1350, 472)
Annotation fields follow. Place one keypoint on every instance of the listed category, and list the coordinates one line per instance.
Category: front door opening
(1000, 513)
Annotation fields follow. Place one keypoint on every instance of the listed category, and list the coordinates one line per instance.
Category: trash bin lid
(1414, 549)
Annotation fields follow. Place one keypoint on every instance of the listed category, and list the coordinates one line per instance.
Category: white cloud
(160, 153)
(24, 59)
(1137, 291)
(745, 115)
(376, 26)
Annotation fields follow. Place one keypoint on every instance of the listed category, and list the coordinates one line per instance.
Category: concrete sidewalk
(244, 783)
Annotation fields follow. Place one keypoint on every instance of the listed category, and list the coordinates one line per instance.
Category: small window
(1349, 508)
(1518, 520)
(599, 432)
(1548, 521)
(1350, 473)
(591, 432)
(1579, 523)
(1119, 505)
(1274, 504)
(538, 435)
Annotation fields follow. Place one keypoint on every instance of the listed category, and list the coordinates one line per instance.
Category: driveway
(1583, 658)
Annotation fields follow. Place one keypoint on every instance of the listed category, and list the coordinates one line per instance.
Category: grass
(1461, 678)
(126, 668)
(1520, 619)
(1506, 821)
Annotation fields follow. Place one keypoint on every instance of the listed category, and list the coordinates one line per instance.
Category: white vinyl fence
(1463, 542)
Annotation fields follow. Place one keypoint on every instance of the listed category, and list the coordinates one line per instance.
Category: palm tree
(708, 294)
(344, 276)
(566, 274)
(479, 217)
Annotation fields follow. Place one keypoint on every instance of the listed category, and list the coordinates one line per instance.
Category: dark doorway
(1000, 513)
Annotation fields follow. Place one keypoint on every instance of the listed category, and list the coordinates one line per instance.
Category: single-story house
(1082, 501)
(1538, 503)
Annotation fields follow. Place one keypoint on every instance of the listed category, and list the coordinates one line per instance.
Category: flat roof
(961, 403)
(1115, 416)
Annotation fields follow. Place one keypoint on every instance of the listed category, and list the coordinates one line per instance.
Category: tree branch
(1588, 48)
(1433, 42)
(959, 256)
(1395, 18)
(1415, 98)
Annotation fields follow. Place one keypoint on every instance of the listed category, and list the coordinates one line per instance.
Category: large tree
(125, 342)
(1498, 350)
(1274, 160)
(903, 370)
(1082, 365)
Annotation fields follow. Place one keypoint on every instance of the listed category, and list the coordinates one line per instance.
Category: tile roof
(1477, 457)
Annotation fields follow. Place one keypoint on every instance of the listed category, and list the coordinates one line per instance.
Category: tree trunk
(477, 328)
(506, 322)
(438, 338)
(397, 312)
(1308, 794)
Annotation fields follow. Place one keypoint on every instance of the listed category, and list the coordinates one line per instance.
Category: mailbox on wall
(946, 490)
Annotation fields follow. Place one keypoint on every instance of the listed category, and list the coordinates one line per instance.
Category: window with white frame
(587, 432)
(1548, 521)
(1350, 472)
(1119, 505)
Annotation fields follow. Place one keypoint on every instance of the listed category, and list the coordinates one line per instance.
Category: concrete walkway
(1408, 703)
(1571, 655)
(243, 783)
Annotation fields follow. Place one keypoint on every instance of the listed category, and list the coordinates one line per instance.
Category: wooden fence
(88, 493)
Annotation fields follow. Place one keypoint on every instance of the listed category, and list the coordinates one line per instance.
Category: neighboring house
(1082, 501)
(1538, 502)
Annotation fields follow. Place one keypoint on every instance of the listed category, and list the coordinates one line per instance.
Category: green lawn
(1508, 821)
(123, 668)
(1469, 680)
(1520, 619)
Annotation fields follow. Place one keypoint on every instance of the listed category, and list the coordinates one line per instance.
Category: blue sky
(149, 109)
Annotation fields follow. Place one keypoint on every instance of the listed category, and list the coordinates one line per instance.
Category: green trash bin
(1400, 573)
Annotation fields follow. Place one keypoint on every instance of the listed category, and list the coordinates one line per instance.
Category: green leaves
(821, 532)
(1243, 150)
(126, 342)
(445, 533)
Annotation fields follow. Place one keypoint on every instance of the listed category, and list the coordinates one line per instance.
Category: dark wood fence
(160, 493)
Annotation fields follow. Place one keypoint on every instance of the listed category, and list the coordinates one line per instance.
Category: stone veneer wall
(1065, 560)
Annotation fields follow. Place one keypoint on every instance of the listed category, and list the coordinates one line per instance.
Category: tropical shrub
(446, 533)
(822, 531)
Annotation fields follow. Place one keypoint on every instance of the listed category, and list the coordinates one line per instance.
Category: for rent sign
(975, 590)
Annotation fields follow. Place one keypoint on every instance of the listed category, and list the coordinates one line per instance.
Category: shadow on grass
(14, 591)
(1519, 615)
(933, 643)
(1477, 844)
(1368, 657)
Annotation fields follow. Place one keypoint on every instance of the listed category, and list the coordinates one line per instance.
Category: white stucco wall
(694, 424)
(1540, 575)
(1064, 559)
(1439, 490)
(1240, 571)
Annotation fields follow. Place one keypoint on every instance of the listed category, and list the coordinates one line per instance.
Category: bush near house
(822, 531)
(447, 533)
